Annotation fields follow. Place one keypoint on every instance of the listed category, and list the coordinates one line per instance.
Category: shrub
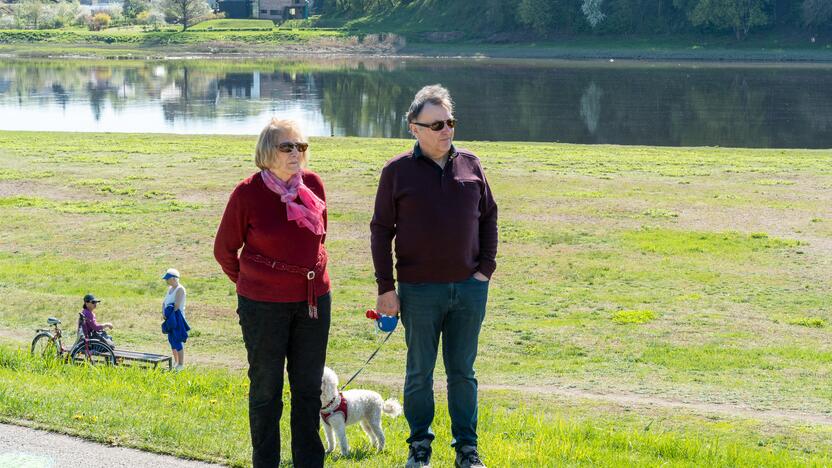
(99, 21)
(143, 17)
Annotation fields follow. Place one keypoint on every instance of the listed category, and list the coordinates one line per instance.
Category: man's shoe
(467, 457)
(419, 454)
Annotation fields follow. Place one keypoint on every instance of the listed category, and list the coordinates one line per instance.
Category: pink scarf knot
(308, 215)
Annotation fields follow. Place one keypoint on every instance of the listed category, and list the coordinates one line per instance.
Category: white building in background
(282, 9)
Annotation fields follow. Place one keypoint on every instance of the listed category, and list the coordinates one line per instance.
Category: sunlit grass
(587, 232)
(623, 317)
(202, 415)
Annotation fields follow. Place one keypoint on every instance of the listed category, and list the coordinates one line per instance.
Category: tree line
(54, 14)
(556, 17)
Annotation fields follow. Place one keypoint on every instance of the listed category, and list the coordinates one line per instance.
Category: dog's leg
(340, 427)
(375, 425)
(330, 437)
(369, 431)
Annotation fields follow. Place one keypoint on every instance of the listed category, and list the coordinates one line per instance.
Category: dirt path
(632, 400)
(30, 448)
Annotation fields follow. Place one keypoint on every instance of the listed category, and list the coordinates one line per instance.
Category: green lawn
(201, 415)
(164, 37)
(261, 38)
(692, 282)
(234, 25)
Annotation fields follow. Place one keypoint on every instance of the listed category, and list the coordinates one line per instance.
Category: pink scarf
(308, 215)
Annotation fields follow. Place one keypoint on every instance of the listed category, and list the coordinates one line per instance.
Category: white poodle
(339, 410)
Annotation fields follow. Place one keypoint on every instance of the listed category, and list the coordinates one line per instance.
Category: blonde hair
(266, 153)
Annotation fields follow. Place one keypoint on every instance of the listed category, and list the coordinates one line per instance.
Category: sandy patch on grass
(20, 188)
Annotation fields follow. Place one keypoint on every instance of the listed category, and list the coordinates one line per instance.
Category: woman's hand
(107, 325)
(480, 277)
(388, 304)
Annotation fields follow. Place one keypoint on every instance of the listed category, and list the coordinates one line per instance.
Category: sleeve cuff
(487, 268)
(386, 286)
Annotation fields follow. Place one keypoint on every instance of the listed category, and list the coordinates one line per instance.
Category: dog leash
(367, 362)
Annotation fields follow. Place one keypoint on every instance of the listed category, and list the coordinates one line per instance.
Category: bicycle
(86, 349)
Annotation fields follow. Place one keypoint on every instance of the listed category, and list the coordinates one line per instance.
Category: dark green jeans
(276, 333)
(453, 312)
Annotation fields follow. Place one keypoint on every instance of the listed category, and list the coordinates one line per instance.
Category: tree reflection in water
(761, 106)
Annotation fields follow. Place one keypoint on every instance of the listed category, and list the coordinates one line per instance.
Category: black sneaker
(467, 457)
(420, 452)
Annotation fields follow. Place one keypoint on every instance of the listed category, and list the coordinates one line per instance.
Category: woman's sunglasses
(438, 125)
(288, 147)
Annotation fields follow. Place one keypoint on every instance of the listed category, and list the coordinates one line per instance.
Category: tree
(499, 15)
(65, 13)
(185, 12)
(537, 14)
(816, 12)
(30, 12)
(131, 8)
(739, 15)
(592, 11)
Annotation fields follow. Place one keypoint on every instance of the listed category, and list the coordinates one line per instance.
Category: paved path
(21, 447)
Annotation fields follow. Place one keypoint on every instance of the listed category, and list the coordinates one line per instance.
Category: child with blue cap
(175, 325)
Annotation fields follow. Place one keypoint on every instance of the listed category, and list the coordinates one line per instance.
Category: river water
(666, 104)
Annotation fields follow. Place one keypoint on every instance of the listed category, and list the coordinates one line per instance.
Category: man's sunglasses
(438, 125)
(288, 147)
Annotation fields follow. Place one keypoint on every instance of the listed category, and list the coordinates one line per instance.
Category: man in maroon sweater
(436, 203)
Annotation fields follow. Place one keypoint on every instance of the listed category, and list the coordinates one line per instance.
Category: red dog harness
(341, 408)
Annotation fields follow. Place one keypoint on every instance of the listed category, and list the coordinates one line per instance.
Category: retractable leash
(385, 323)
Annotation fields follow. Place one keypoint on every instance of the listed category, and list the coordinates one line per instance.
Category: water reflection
(591, 106)
(496, 100)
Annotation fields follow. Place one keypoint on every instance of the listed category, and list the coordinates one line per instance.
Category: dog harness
(341, 408)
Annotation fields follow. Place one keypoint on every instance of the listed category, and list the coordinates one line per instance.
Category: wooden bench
(155, 359)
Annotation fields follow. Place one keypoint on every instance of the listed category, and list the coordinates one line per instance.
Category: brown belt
(309, 273)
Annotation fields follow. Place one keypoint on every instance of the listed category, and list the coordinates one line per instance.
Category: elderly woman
(278, 217)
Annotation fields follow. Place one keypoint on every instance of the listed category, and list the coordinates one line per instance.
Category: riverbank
(672, 297)
(132, 43)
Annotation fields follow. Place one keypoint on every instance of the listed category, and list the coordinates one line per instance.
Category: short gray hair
(432, 94)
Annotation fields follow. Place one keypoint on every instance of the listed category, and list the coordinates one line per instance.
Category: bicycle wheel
(46, 345)
(97, 353)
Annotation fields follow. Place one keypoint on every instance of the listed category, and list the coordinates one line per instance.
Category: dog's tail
(391, 407)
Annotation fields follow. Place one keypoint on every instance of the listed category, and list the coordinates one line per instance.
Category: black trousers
(276, 333)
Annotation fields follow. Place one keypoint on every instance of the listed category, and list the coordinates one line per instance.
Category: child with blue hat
(173, 310)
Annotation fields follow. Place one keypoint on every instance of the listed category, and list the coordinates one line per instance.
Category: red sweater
(255, 219)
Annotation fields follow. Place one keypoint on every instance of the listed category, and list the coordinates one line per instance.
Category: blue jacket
(175, 324)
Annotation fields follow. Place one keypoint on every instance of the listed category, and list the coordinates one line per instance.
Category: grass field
(261, 38)
(234, 25)
(139, 38)
(651, 305)
(131, 42)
